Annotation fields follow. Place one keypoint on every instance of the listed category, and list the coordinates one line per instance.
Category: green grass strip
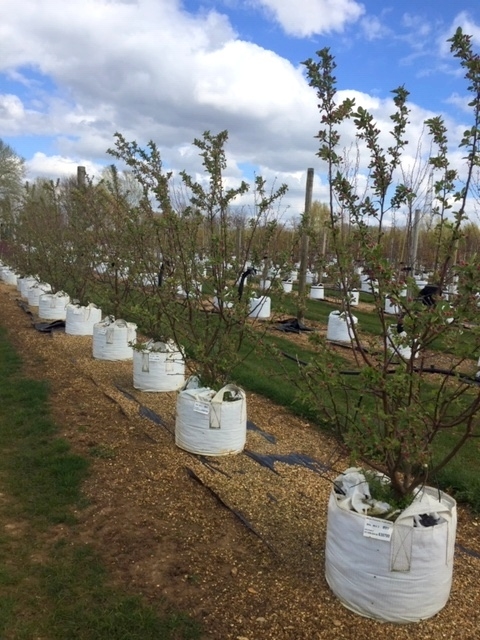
(56, 590)
(39, 470)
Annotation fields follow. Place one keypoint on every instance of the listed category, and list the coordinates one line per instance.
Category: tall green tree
(12, 173)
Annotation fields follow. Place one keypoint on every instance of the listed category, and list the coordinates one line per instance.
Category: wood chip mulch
(236, 541)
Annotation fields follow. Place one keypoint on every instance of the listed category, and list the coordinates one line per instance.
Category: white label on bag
(201, 407)
(374, 528)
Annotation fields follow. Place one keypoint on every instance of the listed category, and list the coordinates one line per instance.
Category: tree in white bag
(398, 571)
(211, 423)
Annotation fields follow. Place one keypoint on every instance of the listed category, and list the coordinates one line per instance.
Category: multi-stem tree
(393, 408)
(194, 249)
(55, 236)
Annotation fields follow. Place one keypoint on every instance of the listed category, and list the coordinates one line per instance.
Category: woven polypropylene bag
(339, 328)
(53, 306)
(406, 578)
(158, 366)
(112, 339)
(80, 319)
(209, 424)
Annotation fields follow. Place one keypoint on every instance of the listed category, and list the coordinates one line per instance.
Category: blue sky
(72, 73)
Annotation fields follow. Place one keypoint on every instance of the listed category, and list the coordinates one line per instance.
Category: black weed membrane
(296, 459)
(251, 426)
(292, 325)
(43, 327)
(50, 327)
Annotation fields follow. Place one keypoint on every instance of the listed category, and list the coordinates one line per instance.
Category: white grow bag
(223, 301)
(25, 284)
(368, 284)
(391, 307)
(112, 338)
(265, 284)
(287, 285)
(10, 277)
(317, 292)
(394, 572)
(53, 306)
(148, 279)
(35, 291)
(207, 424)
(260, 307)
(353, 297)
(81, 319)
(219, 303)
(421, 283)
(158, 366)
(194, 290)
(339, 328)
(399, 343)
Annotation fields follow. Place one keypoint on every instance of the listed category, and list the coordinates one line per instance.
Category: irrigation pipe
(443, 372)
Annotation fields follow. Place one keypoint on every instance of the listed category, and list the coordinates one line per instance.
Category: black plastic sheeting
(24, 306)
(43, 327)
(213, 465)
(298, 459)
(126, 393)
(251, 426)
(266, 460)
(144, 411)
(49, 327)
(292, 325)
(469, 552)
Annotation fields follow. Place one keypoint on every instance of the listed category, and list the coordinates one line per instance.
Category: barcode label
(201, 407)
(374, 528)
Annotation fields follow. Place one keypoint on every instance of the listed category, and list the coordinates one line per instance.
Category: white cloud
(308, 17)
(461, 102)
(54, 167)
(150, 70)
(255, 88)
(374, 29)
(11, 111)
(467, 24)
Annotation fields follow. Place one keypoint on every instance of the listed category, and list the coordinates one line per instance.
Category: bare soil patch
(236, 543)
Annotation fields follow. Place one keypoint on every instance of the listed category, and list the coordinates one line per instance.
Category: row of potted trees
(209, 422)
(390, 535)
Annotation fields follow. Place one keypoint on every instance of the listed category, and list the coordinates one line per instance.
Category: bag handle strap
(217, 402)
(402, 535)
(238, 391)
